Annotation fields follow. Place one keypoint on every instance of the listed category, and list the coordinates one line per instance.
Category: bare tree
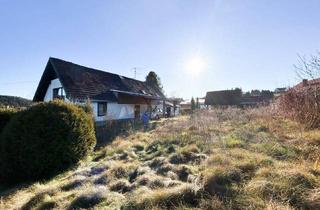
(303, 103)
(308, 67)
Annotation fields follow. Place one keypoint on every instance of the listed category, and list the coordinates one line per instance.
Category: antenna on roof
(135, 72)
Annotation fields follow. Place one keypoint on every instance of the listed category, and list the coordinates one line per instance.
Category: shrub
(277, 150)
(232, 142)
(44, 140)
(5, 116)
(302, 105)
(87, 107)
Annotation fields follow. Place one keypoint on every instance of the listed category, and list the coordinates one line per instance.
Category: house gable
(48, 75)
(55, 84)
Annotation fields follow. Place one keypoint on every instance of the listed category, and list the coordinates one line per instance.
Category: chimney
(304, 82)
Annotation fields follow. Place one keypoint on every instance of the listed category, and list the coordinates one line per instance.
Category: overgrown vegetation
(216, 159)
(301, 103)
(5, 116)
(44, 140)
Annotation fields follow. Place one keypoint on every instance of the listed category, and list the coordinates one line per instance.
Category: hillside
(217, 159)
(14, 101)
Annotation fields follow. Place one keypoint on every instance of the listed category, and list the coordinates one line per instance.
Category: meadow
(214, 159)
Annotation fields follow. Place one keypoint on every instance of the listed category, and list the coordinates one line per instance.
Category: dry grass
(216, 159)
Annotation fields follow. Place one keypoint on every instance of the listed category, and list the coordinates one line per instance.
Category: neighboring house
(171, 109)
(280, 90)
(113, 97)
(201, 103)
(185, 107)
(254, 100)
(308, 83)
(223, 98)
(235, 98)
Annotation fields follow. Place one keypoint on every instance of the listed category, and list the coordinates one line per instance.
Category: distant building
(236, 98)
(172, 108)
(254, 100)
(201, 103)
(185, 107)
(223, 98)
(308, 83)
(280, 90)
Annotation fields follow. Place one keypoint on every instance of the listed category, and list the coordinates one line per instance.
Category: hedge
(5, 116)
(44, 140)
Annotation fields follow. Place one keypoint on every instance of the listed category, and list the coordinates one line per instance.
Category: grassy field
(217, 159)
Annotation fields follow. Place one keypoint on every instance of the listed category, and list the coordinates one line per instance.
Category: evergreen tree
(197, 104)
(153, 80)
(193, 104)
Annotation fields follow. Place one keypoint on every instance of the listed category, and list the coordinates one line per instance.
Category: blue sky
(251, 44)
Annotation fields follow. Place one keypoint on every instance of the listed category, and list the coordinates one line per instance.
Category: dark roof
(308, 83)
(280, 90)
(80, 82)
(234, 97)
(223, 97)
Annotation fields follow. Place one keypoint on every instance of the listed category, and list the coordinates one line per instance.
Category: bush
(44, 140)
(302, 105)
(5, 116)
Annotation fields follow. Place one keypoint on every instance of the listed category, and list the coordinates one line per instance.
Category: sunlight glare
(195, 66)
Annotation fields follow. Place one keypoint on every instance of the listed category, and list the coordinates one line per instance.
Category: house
(171, 108)
(223, 97)
(280, 90)
(174, 104)
(308, 83)
(200, 102)
(236, 98)
(113, 97)
(185, 107)
(246, 101)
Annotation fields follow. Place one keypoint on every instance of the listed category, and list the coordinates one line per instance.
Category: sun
(195, 66)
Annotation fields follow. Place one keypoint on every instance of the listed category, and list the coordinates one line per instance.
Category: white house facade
(55, 84)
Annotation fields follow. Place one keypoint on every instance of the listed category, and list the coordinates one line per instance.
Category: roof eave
(137, 94)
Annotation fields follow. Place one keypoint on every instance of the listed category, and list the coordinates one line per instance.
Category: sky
(194, 46)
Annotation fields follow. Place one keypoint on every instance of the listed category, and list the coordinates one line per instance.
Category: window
(102, 109)
(57, 93)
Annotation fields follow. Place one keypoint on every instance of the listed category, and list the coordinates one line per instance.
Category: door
(136, 112)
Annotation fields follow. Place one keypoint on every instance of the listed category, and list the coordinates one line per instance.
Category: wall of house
(117, 111)
(53, 84)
